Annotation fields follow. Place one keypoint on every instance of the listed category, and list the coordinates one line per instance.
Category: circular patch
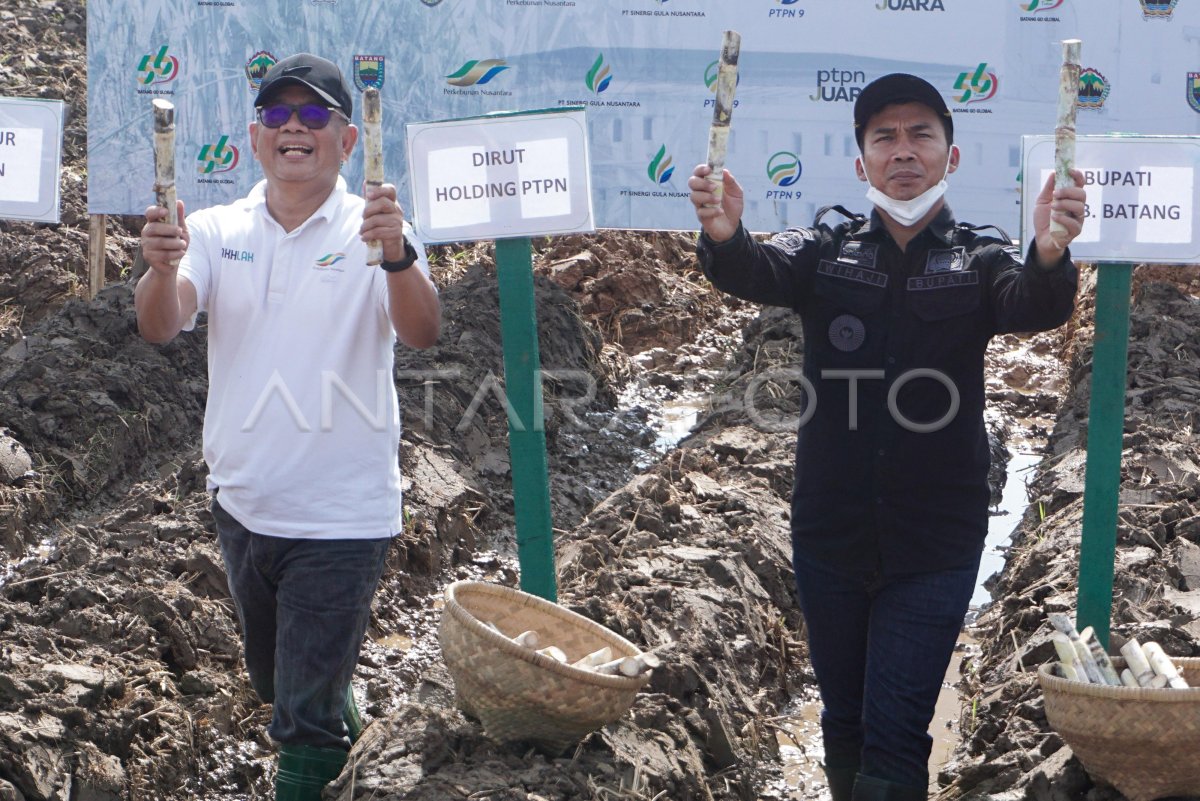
(847, 333)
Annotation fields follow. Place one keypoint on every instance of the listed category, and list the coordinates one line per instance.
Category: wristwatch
(410, 258)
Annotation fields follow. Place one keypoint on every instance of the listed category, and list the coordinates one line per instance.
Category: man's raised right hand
(163, 244)
(719, 220)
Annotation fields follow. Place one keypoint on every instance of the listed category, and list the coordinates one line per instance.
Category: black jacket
(908, 332)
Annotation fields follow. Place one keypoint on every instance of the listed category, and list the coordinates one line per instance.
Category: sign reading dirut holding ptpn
(500, 176)
(30, 157)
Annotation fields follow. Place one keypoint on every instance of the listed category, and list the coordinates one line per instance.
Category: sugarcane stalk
(528, 639)
(594, 659)
(1072, 668)
(1163, 666)
(1064, 130)
(372, 117)
(1100, 656)
(164, 159)
(718, 132)
(1127, 678)
(1064, 625)
(630, 666)
(1135, 658)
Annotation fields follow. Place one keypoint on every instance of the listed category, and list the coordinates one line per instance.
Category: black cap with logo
(318, 74)
(899, 87)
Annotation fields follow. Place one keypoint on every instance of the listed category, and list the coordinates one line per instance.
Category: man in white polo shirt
(302, 425)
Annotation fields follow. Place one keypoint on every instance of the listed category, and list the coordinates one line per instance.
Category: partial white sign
(1142, 196)
(30, 155)
(501, 176)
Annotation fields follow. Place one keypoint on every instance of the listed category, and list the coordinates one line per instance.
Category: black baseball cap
(318, 74)
(898, 87)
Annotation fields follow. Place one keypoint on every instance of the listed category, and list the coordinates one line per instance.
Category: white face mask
(909, 212)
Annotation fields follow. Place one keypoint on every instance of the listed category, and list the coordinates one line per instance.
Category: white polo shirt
(302, 424)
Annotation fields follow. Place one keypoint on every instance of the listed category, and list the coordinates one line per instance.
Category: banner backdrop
(644, 69)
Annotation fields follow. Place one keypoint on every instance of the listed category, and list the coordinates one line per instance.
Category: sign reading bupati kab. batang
(1142, 196)
(30, 156)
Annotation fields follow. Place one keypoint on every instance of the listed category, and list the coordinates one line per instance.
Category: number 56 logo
(977, 86)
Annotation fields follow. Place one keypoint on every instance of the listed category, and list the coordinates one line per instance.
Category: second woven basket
(1144, 742)
(520, 695)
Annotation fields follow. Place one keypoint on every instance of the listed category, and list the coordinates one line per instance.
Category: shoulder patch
(792, 240)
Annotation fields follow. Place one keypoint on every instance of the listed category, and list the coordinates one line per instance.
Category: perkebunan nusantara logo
(787, 12)
(476, 72)
(1040, 6)
(910, 5)
(221, 157)
(368, 72)
(1158, 9)
(257, 66)
(660, 169)
(976, 86)
(159, 67)
(1093, 89)
(329, 259)
(784, 168)
(599, 76)
(838, 85)
(1193, 90)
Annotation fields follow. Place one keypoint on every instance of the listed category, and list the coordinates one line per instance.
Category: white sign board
(1142, 196)
(30, 155)
(501, 176)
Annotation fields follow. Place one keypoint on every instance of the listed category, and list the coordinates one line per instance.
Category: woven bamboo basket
(1143, 742)
(520, 695)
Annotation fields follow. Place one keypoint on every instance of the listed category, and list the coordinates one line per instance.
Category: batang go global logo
(976, 86)
(783, 168)
(157, 67)
(1036, 6)
(476, 72)
(221, 157)
(330, 259)
(599, 76)
(660, 169)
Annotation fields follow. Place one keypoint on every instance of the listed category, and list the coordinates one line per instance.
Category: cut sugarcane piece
(528, 639)
(1072, 668)
(594, 659)
(1127, 678)
(372, 115)
(1163, 666)
(1063, 623)
(1103, 662)
(1064, 129)
(718, 132)
(1135, 658)
(554, 652)
(630, 666)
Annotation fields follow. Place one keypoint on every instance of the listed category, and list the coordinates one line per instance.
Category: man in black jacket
(890, 502)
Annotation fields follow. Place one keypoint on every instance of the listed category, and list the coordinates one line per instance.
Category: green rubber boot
(352, 717)
(868, 788)
(304, 771)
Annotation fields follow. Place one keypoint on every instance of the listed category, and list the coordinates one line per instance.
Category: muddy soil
(120, 672)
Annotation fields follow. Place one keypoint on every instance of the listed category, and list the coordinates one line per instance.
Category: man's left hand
(383, 219)
(1065, 206)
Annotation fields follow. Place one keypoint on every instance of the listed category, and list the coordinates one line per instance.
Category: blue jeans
(304, 606)
(880, 646)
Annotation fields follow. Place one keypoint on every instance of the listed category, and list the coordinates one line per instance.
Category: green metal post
(526, 430)
(1106, 427)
